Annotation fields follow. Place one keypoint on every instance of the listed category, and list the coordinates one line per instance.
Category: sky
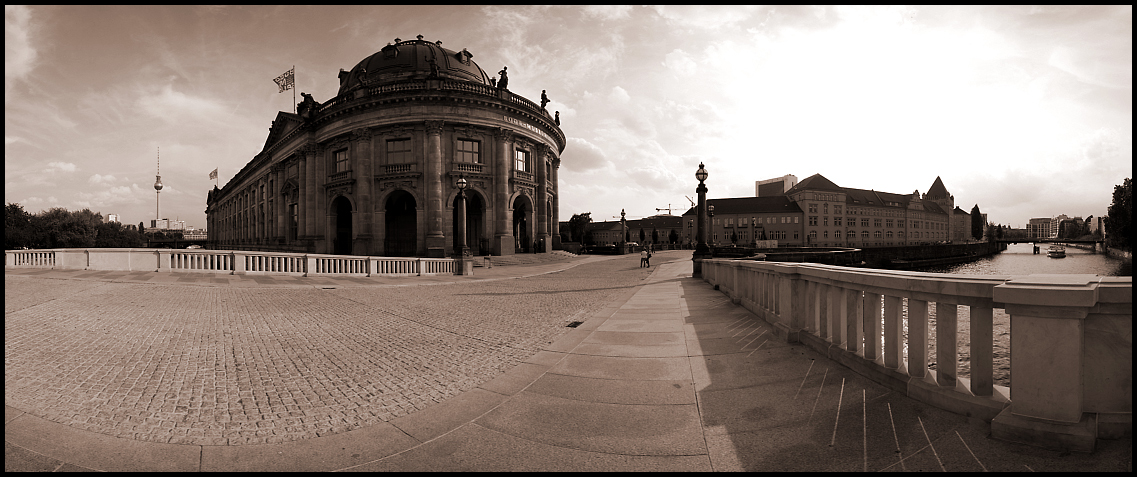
(1024, 111)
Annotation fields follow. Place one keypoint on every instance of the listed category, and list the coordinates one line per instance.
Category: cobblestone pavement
(219, 365)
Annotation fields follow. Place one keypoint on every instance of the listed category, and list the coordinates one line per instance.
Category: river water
(1018, 259)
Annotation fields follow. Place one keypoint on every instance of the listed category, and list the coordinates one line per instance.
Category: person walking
(648, 259)
(643, 257)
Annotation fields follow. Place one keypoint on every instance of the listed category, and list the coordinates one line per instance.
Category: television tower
(158, 189)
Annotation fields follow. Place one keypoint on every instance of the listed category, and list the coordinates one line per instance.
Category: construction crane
(691, 201)
(668, 209)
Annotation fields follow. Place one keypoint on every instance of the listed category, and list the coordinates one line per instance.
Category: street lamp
(461, 225)
(701, 250)
(623, 233)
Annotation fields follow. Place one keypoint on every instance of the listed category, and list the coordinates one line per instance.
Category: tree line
(60, 228)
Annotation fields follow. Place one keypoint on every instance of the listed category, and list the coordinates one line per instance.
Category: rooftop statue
(504, 79)
(544, 99)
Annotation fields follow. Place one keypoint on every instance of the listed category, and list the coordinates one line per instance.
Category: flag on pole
(213, 175)
(287, 80)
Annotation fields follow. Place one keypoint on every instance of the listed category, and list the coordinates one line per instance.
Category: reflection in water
(1018, 259)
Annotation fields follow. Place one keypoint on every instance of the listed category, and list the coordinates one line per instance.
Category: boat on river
(1056, 251)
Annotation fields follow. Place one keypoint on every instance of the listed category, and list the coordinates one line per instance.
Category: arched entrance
(475, 217)
(341, 242)
(522, 209)
(401, 225)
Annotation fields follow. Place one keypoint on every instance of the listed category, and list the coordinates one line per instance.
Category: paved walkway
(668, 376)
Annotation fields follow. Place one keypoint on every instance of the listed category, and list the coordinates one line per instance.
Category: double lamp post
(701, 250)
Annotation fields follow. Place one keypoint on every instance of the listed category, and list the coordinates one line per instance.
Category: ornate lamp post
(465, 265)
(460, 227)
(701, 250)
(623, 234)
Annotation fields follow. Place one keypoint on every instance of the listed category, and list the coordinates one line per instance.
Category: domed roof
(412, 59)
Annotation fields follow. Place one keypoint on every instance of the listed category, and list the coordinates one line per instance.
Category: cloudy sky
(1025, 111)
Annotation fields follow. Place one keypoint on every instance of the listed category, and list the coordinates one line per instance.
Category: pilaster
(503, 235)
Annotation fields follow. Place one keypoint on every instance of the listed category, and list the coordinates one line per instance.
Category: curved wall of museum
(373, 171)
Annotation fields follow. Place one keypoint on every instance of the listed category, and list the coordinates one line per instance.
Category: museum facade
(374, 170)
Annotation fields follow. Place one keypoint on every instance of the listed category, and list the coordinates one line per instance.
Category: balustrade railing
(399, 168)
(1070, 349)
(227, 262)
(468, 167)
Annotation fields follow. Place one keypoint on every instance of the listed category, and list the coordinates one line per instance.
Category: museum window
(876, 235)
(813, 220)
(813, 208)
(469, 151)
(876, 222)
(888, 223)
(836, 209)
(341, 160)
(837, 234)
(864, 222)
(836, 221)
(864, 235)
(399, 151)
(825, 221)
(521, 160)
(825, 208)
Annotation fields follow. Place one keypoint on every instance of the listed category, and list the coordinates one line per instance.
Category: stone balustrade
(230, 262)
(1071, 345)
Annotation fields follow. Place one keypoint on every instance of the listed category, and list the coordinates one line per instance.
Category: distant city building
(1054, 223)
(656, 229)
(111, 218)
(817, 212)
(1038, 227)
(960, 225)
(775, 186)
(373, 170)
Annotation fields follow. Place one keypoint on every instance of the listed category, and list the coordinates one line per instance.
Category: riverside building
(373, 171)
(817, 212)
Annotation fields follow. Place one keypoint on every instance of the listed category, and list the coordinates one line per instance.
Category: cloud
(132, 194)
(60, 167)
(175, 106)
(680, 62)
(581, 155)
(19, 53)
(98, 179)
(705, 16)
(608, 12)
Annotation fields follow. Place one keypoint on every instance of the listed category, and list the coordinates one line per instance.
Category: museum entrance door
(401, 225)
(522, 209)
(341, 244)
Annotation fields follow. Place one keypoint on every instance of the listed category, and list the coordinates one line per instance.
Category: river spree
(1018, 259)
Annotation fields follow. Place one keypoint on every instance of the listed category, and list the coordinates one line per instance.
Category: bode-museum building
(374, 170)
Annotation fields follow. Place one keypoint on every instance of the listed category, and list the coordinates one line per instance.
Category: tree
(1119, 225)
(673, 237)
(17, 227)
(976, 223)
(577, 225)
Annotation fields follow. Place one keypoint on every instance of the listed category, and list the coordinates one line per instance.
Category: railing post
(164, 257)
(871, 317)
(309, 265)
(239, 263)
(982, 350)
(946, 343)
(917, 338)
(1048, 315)
(893, 348)
(853, 320)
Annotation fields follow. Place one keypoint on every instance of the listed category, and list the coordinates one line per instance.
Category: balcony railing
(1070, 346)
(468, 167)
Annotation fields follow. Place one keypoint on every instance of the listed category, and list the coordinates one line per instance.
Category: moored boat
(1056, 251)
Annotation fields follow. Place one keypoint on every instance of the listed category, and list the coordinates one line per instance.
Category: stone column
(309, 203)
(364, 180)
(302, 212)
(435, 239)
(541, 205)
(321, 236)
(278, 184)
(503, 233)
(556, 218)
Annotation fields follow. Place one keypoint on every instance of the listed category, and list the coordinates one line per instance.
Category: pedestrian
(643, 257)
(648, 259)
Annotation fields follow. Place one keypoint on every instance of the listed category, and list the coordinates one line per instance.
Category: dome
(411, 59)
